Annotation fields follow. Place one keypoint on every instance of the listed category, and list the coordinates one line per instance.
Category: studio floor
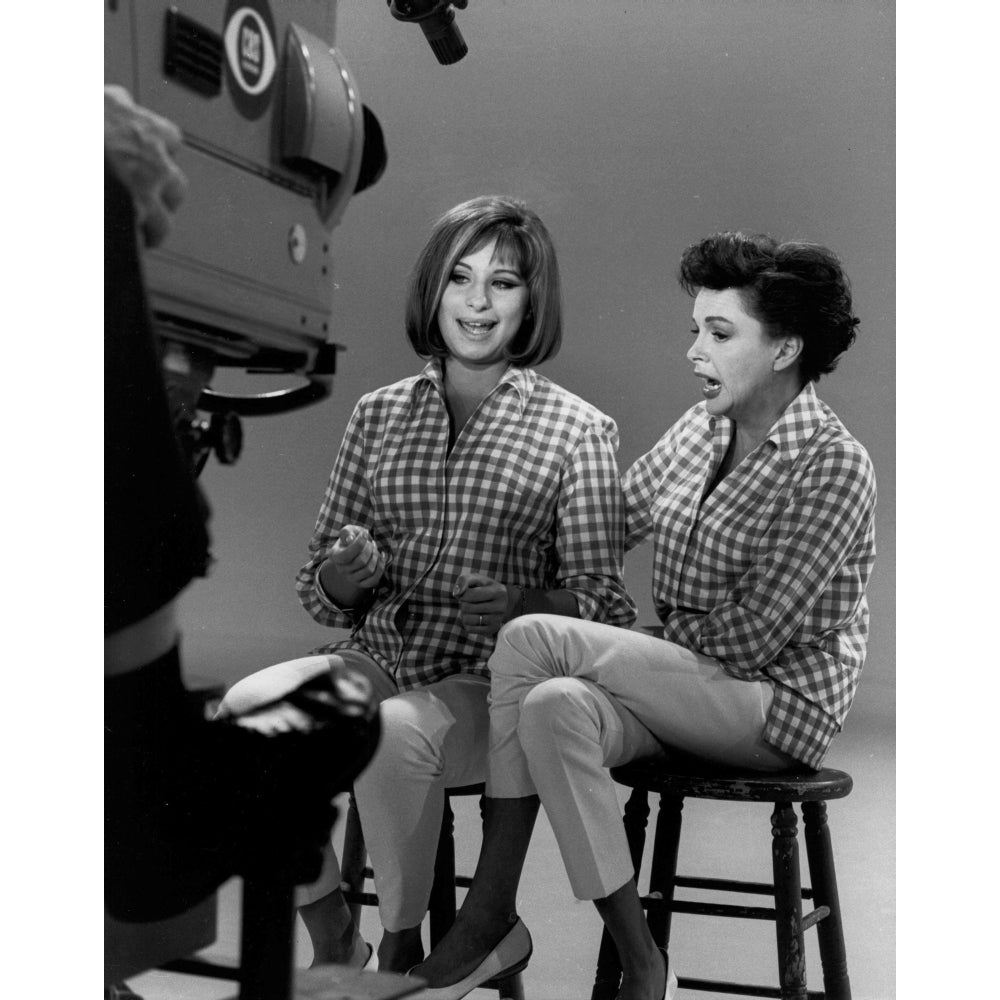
(725, 840)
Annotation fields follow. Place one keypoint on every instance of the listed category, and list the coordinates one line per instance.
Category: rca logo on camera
(250, 55)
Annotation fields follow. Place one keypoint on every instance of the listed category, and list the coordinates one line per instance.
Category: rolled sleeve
(642, 485)
(346, 501)
(590, 530)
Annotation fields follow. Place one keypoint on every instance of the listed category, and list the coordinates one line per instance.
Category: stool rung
(462, 881)
(364, 898)
(729, 885)
(710, 986)
(725, 910)
(815, 917)
(710, 909)
(202, 967)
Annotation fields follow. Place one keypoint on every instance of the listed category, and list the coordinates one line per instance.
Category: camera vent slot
(193, 54)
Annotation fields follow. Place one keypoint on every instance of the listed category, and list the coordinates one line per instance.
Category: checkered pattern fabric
(768, 572)
(529, 495)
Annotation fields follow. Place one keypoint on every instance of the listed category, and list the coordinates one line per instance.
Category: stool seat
(682, 775)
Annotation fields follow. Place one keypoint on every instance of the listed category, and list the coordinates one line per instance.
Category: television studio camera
(276, 140)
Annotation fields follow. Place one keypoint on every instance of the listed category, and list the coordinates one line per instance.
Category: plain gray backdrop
(633, 129)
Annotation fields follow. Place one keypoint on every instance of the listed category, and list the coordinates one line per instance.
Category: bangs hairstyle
(522, 242)
(794, 288)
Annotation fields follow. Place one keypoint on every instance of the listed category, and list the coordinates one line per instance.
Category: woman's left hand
(483, 603)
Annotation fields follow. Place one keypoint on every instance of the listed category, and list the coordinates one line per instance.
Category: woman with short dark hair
(760, 504)
(794, 287)
(461, 498)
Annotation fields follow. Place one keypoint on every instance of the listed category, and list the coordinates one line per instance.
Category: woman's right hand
(356, 556)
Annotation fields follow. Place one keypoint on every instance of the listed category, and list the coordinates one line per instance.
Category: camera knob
(225, 432)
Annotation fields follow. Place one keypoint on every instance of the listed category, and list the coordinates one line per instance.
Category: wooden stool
(442, 906)
(678, 777)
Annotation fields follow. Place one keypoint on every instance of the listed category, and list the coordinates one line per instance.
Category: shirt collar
(433, 374)
(790, 432)
(799, 422)
(521, 380)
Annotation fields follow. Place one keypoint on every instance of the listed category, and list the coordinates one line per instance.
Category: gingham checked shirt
(767, 573)
(529, 495)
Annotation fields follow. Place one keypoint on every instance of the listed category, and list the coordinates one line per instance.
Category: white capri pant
(572, 698)
(433, 738)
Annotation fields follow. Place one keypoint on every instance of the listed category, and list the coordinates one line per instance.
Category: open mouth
(475, 328)
(711, 388)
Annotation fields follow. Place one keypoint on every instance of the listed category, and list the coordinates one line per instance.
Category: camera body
(275, 143)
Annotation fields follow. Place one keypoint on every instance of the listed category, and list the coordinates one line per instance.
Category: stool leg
(442, 901)
(663, 870)
(267, 941)
(830, 930)
(352, 868)
(635, 820)
(788, 902)
(608, 976)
